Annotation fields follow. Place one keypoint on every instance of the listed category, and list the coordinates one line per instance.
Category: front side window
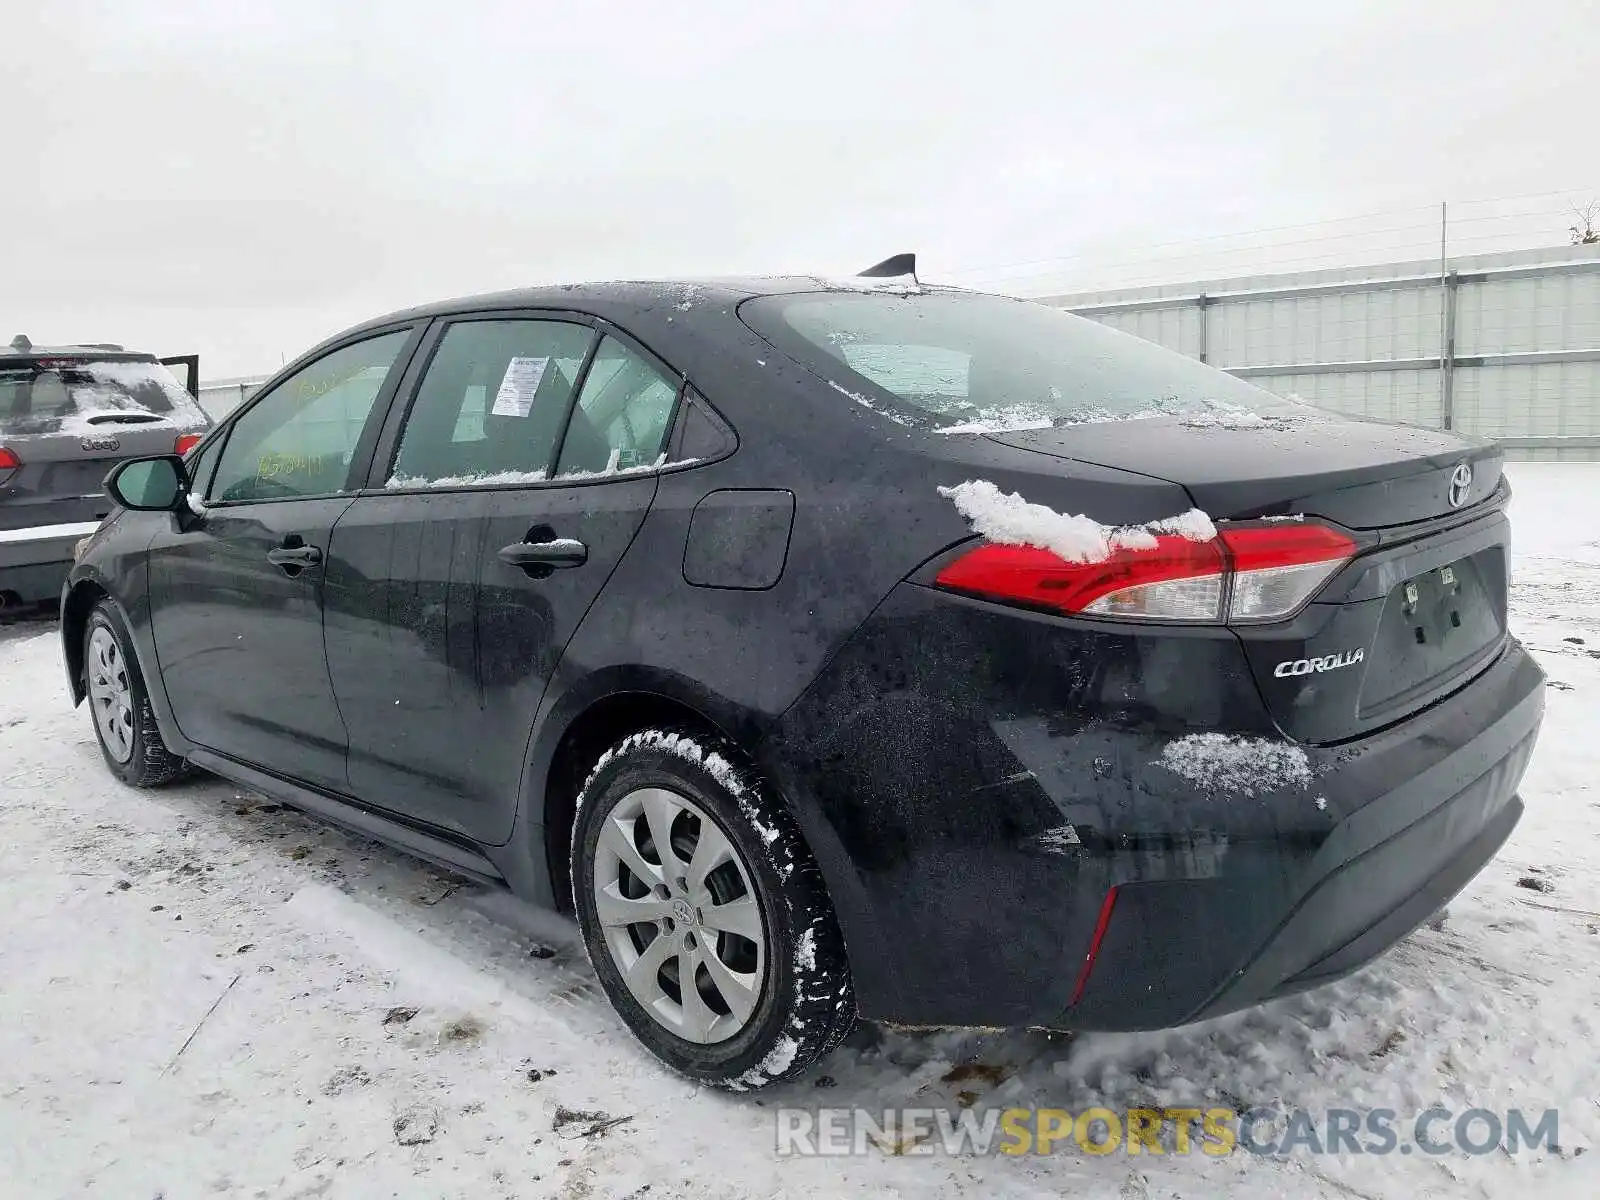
(299, 439)
(490, 407)
(623, 416)
(199, 466)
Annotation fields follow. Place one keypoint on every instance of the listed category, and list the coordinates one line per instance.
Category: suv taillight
(185, 443)
(1246, 574)
(9, 462)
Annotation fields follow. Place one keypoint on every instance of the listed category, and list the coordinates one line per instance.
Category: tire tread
(823, 1008)
(152, 764)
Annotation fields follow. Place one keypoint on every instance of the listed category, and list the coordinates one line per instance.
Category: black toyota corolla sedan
(836, 649)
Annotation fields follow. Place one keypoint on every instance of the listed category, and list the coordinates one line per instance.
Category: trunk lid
(1359, 474)
(1411, 619)
(1416, 614)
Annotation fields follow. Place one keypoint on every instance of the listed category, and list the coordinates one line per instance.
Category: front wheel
(124, 722)
(704, 913)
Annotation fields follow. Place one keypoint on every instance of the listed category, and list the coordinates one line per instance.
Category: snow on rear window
(75, 396)
(965, 362)
(931, 371)
(893, 285)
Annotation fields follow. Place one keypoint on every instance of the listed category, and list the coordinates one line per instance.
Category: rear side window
(79, 396)
(623, 414)
(299, 438)
(490, 407)
(954, 360)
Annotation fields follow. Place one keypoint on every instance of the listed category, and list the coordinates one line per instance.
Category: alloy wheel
(679, 915)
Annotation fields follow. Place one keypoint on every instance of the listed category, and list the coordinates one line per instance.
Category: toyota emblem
(1460, 485)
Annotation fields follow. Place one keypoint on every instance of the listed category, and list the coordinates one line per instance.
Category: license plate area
(1433, 623)
(1432, 603)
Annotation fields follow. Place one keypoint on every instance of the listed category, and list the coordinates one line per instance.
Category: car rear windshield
(959, 361)
(77, 396)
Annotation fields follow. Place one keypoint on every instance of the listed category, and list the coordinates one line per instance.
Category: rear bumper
(1407, 845)
(974, 783)
(34, 562)
(1396, 903)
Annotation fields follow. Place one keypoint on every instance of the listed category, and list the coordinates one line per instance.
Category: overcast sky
(242, 179)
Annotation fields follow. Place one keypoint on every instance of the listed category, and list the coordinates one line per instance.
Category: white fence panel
(1505, 346)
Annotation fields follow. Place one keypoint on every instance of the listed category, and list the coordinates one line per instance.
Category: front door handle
(543, 557)
(294, 559)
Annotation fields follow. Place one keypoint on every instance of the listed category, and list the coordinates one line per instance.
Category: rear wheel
(124, 722)
(705, 915)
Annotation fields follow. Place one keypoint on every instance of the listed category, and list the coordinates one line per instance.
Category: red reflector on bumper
(1100, 928)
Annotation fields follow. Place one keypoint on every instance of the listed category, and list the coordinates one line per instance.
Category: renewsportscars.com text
(1211, 1131)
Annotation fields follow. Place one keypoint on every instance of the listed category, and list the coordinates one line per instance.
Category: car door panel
(458, 577)
(440, 652)
(240, 638)
(237, 578)
(400, 637)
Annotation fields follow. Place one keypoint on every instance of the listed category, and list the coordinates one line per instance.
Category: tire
(773, 990)
(119, 704)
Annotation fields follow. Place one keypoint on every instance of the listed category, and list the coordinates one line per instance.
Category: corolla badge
(1460, 485)
(1311, 666)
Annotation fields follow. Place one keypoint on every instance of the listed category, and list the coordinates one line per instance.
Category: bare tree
(1584, 232)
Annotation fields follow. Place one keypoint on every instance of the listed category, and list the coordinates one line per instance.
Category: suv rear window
(77, 396)
(961, 360)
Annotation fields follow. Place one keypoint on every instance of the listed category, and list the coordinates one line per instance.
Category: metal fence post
(1203, 303)
(1447, 353)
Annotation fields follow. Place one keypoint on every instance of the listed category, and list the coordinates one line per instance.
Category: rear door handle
(294, 558)
(557, 552)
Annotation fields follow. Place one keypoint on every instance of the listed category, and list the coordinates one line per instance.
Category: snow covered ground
(202, 993)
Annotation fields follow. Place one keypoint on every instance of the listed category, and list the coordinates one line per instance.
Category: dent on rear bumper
(974, 782)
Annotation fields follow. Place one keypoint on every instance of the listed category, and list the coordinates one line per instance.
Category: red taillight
(185, 443)
(1184, 577)
(1277, 568)
(9, 462)
(1100, 927)
(1253, 573)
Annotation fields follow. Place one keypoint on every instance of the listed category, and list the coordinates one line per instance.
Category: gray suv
(68, 414)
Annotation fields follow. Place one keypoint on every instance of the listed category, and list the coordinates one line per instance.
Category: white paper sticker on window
(517, 389)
